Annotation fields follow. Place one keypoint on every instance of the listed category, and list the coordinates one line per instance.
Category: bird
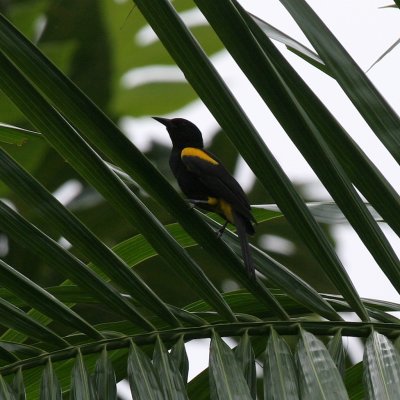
(207, 184)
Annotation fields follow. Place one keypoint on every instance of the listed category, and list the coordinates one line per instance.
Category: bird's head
(182, 132)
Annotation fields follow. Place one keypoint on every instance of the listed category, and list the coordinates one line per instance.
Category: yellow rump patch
(194, 152)
(222, 207)
(212, 201)
(226, 210)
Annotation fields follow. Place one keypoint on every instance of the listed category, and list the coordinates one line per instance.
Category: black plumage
(207, 183)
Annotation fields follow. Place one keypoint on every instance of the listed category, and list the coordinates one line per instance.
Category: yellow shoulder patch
(193, 152)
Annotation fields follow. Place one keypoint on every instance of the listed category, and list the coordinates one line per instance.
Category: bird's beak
(165, 121)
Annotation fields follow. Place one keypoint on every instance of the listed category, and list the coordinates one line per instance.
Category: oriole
(207, 183)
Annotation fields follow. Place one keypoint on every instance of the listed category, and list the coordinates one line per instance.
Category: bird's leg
(221, 230)
(195, 202)
(191, 204)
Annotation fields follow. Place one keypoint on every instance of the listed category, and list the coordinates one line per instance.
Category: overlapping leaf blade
(18, 386)
(336, 350)
(68, 142)
(280, 99)
(291, 44)
(81, 384)
(283, 278)
(142, 377)
(31, 237)
(244, 355)
(43, 301)
(6, 392)
(280, 378)
(370, 182)
(226, 375)
(169, 376)
(50, 387)
(180, 359)
(92, 123)
(327, 330)
(13, 317)
(228, 113)
(381, 368)
(318, 375)
(32, 192)
(370, 103)
(104, 378)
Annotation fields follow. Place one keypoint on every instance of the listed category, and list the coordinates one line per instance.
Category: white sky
(366, 32)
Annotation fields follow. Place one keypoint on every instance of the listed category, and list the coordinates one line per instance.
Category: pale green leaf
(280, 379)
(381, 368)
(50, 386)
(319, 379)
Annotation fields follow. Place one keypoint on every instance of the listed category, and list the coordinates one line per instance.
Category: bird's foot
(221, 230)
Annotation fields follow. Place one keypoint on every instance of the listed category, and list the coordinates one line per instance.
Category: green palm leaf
(133, 284)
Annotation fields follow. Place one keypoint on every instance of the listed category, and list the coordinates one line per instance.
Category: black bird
(207, 183)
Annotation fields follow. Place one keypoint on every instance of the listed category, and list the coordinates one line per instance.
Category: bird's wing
(215, 177)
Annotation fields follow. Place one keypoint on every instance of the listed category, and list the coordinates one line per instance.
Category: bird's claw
(221, 230)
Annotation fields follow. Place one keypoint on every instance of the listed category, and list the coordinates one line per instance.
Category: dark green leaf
(18, 386)
(180, 359)
(50, 386)
(201, 387)
(6, 392)
(38, 298)
(336, 350)
(360, 169)
(20, 350)
(81, 385)
(226, 374)
(354, 382)
(6, 352)
(104, 378)
(169, 376)
(32, 192)
(244, 355)
(30, 237)
(283, 278)
(90, 121)
(13, 317)
(70, 145)
(141, 375)
(370, 103)
(279, 97)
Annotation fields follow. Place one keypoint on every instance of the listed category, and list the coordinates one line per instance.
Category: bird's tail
(241, 226)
